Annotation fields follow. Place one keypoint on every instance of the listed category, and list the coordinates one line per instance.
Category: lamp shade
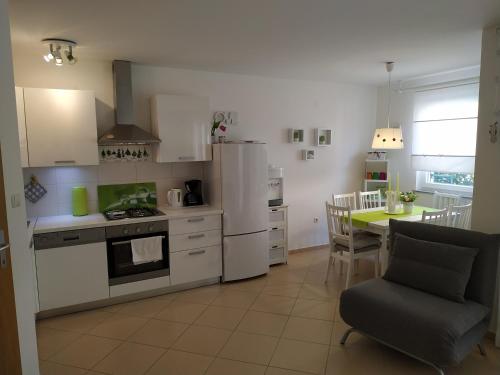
(388, 139)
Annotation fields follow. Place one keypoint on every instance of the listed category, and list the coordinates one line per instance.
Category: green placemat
(362, 219)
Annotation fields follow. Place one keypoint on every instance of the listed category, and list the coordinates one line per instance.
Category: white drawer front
(276, 235)
(276, 253)
(139, 286)
(195, 265)
(188, 241)
(194, 224)
(276, 215)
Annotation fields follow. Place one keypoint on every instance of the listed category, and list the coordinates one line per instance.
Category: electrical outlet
(15, 200)
(316, 220)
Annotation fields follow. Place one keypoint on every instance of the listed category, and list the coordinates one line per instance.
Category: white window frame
(423, 184)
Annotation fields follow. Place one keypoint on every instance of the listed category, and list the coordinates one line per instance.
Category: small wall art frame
(308, 154)
(323, 137)
(296, 135)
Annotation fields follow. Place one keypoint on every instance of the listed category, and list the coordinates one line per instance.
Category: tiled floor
(285, 323)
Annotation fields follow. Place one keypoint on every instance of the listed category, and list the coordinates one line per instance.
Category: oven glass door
(120, 262)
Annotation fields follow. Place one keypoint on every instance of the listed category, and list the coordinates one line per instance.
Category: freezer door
(245, 256)
(244, 188)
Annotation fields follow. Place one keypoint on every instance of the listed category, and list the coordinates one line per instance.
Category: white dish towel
(146, 250)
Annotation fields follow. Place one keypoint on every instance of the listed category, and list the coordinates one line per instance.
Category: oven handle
(126, 242)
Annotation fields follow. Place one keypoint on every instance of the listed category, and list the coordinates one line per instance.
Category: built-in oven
(121, 266)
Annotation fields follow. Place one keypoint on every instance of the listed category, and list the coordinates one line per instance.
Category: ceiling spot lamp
(59, 48)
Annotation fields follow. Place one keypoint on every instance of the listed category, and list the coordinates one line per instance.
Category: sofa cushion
(425, 325)
(481, 287)
(433, 267)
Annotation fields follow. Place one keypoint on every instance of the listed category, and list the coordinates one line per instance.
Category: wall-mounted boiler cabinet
(182, 123)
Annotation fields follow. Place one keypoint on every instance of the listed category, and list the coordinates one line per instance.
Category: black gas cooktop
(132, 213)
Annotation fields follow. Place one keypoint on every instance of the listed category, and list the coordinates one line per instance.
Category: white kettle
(174, 197)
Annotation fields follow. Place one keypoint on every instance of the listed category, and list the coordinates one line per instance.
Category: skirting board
(304, 249)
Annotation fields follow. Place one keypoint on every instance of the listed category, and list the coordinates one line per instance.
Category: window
(444, 138)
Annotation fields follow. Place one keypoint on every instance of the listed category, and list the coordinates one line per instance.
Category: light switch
(15, 200)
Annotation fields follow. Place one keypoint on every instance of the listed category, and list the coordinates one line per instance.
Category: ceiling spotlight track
(57, 48)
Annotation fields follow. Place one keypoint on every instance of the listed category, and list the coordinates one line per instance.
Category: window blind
(444, 129)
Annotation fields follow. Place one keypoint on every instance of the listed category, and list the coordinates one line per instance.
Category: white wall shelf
(374, 182)
(323, 137)
(296, 135)
(278, 234)
(308, 154)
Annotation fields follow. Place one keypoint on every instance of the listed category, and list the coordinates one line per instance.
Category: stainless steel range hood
(125, 132)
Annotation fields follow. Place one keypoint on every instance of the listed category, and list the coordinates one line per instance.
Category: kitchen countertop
(46, 224)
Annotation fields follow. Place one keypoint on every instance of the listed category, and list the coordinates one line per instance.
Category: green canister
(79, 195)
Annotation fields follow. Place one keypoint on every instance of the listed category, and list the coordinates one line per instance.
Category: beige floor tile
(339, 328)
(227, 367)
(130, 359)
(314, 309)
(182, 312)
(181, 363)
(250, 285)
(204, 295)
(78, 322)
(312, 330)
(86, 351)
(286, 277)
(286, 290)
(118, 326)
(221, 317)
(235, 298)
(319, 291)
(249, 347)
(146, 308)
(263, 323)
(273, 304)
(50, 341)
(51, 368)
(202, 340)
(300, 356)
(281, 371)
(160, 333)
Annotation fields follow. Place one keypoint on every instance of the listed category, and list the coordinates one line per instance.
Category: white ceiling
(341, 40)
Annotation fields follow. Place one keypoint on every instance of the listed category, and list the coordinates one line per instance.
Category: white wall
(16, 217)
(487, 177)
(266, 109)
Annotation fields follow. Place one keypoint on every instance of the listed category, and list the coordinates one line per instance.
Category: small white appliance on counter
(275, 191)
(174, 198)
(239, 185)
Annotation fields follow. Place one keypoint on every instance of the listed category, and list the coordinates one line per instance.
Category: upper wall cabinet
(183, 125)
(21, 125)
(61, 127)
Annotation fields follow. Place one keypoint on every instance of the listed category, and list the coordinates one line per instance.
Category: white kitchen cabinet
(195, 265)
(71, 275)
(278, 234)
(21, 126)
(61, 127)
(181, 242)
(183, 124)
(194, 224)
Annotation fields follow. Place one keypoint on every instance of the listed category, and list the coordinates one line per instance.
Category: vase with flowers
(408, 198)
(217, 125)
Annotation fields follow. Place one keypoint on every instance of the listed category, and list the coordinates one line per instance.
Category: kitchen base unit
(278, 234)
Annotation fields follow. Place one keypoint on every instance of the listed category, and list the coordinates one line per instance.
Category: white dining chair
(444, 200)
(439, 217)
(345, 200)
(348, 246)
(370, 199)
(459, 216)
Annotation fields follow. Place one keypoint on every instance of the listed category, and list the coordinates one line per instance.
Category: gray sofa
(416, 321)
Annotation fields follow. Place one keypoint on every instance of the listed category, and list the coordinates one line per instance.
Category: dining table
(376, 220)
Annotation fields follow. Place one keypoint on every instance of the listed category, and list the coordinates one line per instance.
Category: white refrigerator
(239, 180)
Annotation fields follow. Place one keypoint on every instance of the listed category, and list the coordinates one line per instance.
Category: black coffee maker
(194, 196)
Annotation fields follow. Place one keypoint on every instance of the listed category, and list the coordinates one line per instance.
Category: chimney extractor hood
(125, 132)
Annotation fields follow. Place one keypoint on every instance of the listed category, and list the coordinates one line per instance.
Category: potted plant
(296, 136)
(408, 198)
(322, 139)
(217, 125)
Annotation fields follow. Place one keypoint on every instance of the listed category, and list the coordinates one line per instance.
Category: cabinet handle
(275, 247)
(64, 162)
(194, 236)
(198, 252)
(274, 210)
(196, 220)
(186, 157)
(275, 228)
(74, 238)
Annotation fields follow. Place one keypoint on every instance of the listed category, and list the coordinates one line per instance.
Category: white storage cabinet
(278, 234)
(59, 125)
(195, 249)
(183, 124)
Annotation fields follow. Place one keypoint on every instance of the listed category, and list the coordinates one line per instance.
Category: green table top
(362, 219)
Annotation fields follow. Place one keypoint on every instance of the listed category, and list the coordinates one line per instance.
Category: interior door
(10, 357)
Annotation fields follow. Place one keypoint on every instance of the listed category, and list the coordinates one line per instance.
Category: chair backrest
(339, 223)
(437, 217)
(482, 282)
(444, 200)
(370, 199)
(345, 200)
(460, 216)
